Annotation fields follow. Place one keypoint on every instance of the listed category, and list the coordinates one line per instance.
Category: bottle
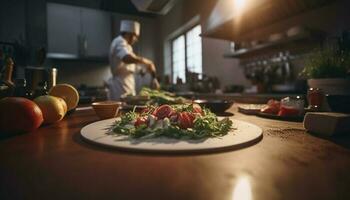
(7, 72)
(6, 84)
(52, 77)
(41, 89)
(20, 88)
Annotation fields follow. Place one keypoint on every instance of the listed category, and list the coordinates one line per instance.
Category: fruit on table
(19, 115)
(64, 104)
(52, 108)
(66, 92)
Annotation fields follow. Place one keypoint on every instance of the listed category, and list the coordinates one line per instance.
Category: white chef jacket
(123, 80)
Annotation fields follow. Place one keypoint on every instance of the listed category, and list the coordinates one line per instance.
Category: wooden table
(55, 163)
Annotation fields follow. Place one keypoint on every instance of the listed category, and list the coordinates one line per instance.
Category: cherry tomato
(185, 120)
(140, 121)
(146, 110)
(288, 111)
(163, 111)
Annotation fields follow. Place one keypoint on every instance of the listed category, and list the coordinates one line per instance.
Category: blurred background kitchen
(213, 48)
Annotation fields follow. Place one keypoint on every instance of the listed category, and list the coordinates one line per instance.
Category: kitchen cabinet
(77, 33)
(63, 28)
(96, 28)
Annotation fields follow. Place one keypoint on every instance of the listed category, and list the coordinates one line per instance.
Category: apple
(19, 115)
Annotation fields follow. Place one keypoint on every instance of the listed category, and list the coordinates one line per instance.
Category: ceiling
(119, 6)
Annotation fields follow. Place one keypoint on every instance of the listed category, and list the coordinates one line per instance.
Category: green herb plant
(330, 61)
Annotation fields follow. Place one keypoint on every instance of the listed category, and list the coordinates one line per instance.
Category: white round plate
(243, 134)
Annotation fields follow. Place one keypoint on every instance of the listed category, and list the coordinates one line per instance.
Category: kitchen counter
(288, 163)
(238, 97)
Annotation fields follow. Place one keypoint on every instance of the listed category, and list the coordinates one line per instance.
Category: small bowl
(106, 109)
(216, 106)
(339, 103)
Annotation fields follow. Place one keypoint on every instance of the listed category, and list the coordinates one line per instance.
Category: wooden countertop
(54, 163)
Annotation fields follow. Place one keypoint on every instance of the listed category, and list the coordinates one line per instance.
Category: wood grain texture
(54, 163)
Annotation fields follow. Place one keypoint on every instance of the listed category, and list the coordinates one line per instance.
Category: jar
(315, 97)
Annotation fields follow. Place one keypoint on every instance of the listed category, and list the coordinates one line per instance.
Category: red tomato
(197, 109)
(288, 111)
(185, 120)
(140, 121)
(270, 109)
(163, 111)
(146, 110)
(19, 115)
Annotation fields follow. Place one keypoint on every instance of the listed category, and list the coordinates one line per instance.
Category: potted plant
(329, 68)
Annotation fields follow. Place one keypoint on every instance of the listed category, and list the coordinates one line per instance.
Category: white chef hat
(130, 26)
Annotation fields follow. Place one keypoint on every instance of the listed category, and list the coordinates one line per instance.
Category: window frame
(184, 33)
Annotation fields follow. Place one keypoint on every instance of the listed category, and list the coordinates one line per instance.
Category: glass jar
(315, 97)
(293, 105)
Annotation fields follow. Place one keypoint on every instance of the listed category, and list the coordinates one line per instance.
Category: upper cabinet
(75, 32)
(247, 20)
(63, 28)
(96, 28)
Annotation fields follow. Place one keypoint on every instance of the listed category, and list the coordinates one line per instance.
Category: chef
(123, 62)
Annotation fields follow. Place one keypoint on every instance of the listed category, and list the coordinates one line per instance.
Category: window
(187, 54)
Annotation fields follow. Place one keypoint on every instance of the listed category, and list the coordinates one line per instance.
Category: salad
(161, 97)
(185, 121)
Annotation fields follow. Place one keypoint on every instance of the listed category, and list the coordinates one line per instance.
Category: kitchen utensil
(244, 134)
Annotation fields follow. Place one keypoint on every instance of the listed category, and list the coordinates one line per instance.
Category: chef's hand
(149, 66)
(155, 84)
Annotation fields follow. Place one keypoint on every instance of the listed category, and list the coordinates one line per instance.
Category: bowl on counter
(339, 103)
(106, 109)
(216, 106)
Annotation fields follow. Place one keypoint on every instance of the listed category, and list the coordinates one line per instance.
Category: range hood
(244, 20)
(161, 7)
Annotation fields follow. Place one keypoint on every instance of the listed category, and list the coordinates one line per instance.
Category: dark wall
(24, 22)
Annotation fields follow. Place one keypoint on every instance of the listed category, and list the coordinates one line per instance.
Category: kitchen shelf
(73, 57)
(297, 40)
